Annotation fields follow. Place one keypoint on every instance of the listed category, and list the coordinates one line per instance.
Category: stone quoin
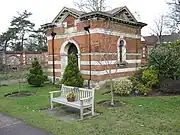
(114, 34)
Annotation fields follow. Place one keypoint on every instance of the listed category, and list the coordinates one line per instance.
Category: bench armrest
(88, 98)
(51, 92)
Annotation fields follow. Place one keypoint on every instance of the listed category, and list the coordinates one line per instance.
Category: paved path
(12, 126)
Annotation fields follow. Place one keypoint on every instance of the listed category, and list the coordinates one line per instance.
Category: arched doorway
(72, 50)
(68, 47)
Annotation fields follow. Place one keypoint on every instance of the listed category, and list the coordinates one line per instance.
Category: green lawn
(139, 116)
(17, 74)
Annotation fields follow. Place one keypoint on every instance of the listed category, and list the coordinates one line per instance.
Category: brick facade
(104, 38)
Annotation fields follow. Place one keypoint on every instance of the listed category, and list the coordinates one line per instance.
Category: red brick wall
(99, 43)
(105, 77)
(70, 21)
(114, 26)
(29, 57)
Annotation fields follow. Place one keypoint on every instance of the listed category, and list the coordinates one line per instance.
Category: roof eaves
(65, 8)
(110, 15)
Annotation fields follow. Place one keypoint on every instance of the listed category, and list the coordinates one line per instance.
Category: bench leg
(92, 110)
(81, 113)
(51, 103)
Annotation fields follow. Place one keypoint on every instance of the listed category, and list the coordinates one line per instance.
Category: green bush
(150, 77)
(143, 89)
(138, 73)
(36, 77)
(134, 81)
(122, 87)
(108, 85)
(72, 75)
(165, 59)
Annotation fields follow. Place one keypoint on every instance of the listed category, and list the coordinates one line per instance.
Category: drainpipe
(53, 34)
(87, 29)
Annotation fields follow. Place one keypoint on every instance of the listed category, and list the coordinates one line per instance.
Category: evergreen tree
(6, 38)
(36, 77)
(37, 41)
(72, 75)
(23, 27)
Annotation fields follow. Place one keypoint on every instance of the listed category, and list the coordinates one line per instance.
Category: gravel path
(13, 126)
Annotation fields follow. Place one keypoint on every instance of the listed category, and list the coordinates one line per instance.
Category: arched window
(121, 50)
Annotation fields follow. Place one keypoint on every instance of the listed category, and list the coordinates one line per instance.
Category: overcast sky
(45, 10)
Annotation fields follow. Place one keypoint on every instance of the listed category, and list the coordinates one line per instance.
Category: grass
(17, 74)
(139, 116)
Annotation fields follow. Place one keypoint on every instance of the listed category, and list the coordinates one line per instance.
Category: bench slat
(75, 104)
(87, 113)
(84, 98)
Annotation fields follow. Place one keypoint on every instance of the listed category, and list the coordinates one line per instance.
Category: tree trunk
(112, 93)
(22, 42)
(5, 46)
(111, 86)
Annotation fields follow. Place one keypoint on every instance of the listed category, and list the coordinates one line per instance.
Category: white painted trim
(56, 70)
(69, 41)
(134, 61)
(97, 54)
(136, 54)
(96, 63)
(64, 49)
(97, 31)
(123, 49)
(55, 62)
(104, 72)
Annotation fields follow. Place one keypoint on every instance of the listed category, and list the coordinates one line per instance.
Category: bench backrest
(79, 92)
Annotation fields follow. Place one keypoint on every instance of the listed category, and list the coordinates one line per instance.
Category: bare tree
(108, 62)
(174, 15)
(159, 27)
(136, 15)
(108, 59)
(90, 5)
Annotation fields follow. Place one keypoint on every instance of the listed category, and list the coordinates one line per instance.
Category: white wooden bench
(84, 99)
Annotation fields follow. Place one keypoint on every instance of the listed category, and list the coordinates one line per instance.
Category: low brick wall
(23, 58)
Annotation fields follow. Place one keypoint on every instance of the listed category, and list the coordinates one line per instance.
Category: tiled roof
(151, 39)
(165, 38)
(105, 14)
(171, 38)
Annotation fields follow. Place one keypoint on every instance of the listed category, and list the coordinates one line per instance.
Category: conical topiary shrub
(72, 75)
(36, 77)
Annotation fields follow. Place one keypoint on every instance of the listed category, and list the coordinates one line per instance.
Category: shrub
(36, 77)
(72, 75)
(150, 77)
(122, 87)
(108, 85)
(165, 59)
(138, 73)
(170, 86)
(134, 81)
(143, 89)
